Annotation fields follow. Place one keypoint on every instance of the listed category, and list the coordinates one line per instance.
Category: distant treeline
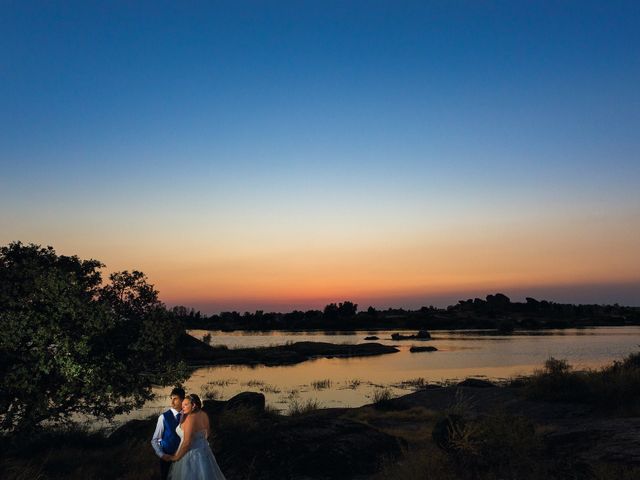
(495, 312)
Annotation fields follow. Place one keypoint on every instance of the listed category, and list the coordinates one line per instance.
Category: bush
(614, 387)
(499, 446)
(556, 367)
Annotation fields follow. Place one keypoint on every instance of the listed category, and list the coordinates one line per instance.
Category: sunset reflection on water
(353, 381)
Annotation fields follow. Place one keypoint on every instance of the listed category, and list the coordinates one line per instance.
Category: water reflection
(353, 381)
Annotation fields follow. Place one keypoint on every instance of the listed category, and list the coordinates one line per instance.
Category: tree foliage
(70, 344)
(343, 310)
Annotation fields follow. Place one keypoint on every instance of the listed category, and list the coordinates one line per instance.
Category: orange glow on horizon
(284, 269)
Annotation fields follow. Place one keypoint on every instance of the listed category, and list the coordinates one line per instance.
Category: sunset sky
(281, 155)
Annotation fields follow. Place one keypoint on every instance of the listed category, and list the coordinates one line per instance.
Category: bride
(194, 459)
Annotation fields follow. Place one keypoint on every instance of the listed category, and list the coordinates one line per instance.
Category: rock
(421, 335)
(248, 400)
(476, 383)
(415, 349)
(213, 407)
(319, 445)
(133, 429)
(606, 439)
(373, 337)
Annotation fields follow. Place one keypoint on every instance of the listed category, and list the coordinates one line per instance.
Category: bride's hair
(195, 399)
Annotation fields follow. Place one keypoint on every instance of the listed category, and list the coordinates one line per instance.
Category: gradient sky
(280, 155)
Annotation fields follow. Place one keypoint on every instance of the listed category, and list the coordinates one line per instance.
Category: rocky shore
(358, 443)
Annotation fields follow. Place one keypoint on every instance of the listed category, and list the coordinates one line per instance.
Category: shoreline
(196, 353)
(354, 331)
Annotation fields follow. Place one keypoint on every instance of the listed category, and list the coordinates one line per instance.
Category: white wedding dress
(198, 463)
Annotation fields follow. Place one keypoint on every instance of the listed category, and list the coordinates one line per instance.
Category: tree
(71, 345)
(347, 309)
(343, 310)
(330, 312)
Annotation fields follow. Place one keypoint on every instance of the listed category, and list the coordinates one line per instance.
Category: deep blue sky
(138, 132)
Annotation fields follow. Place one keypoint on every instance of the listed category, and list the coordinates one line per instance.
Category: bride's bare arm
(187, 428)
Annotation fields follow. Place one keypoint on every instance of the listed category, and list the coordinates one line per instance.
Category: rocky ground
(356, 443)
(394, 438)
(570, 427)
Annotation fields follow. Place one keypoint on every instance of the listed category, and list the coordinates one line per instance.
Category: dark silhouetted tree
(331, 312)
(347, 309)
(69, 344)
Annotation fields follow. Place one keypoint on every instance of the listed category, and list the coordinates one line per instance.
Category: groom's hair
(179, 392)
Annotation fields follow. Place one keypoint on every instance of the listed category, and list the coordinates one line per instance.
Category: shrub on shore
(615, 387)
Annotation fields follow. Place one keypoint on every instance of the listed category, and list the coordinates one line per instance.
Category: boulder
(599, 439)
(247, 400)
(133, 429)
(213, 407)
(421, 335)
(415, 349)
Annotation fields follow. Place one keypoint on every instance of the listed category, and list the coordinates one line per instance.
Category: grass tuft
(353, 383)
(414, 383)
(321, 384)
(209, 392)
(382, 397)
(297, 408)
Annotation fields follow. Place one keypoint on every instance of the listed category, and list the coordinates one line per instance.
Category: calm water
(353, 381)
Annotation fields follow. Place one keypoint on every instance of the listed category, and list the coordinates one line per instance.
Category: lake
(351, 382)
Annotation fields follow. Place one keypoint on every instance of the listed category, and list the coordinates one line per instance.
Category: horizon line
(623, 294)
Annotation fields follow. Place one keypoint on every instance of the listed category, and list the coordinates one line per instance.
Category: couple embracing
(180, 440)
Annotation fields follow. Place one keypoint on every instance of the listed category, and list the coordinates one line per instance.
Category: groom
(165, 440)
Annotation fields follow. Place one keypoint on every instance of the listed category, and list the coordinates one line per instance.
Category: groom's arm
(157, 437)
